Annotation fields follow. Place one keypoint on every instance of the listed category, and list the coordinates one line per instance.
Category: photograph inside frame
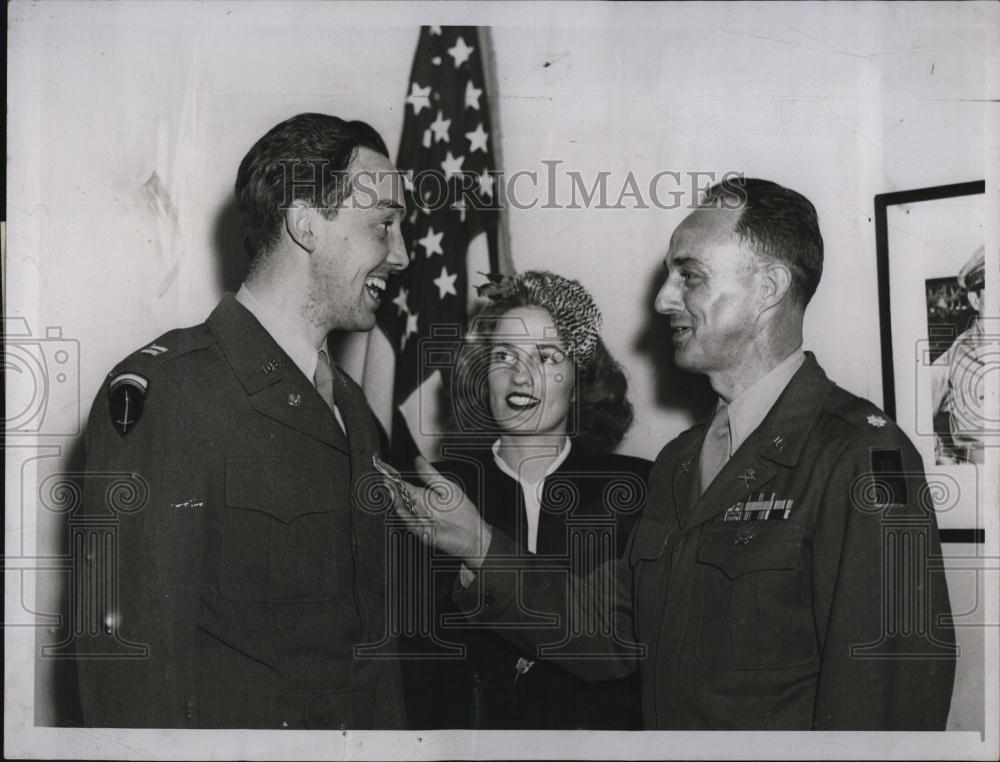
(380, 388)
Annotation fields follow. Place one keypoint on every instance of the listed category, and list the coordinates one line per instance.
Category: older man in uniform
(956, 376)
(252, 570)
(785, 572)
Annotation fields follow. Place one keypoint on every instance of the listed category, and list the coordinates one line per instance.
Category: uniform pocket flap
(735, 558)
(284, 489)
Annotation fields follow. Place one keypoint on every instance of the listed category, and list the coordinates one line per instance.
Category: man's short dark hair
(305, 158)
(778, 224)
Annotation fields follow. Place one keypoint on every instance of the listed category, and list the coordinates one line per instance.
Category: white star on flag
(471, 96)
(400, 300)
(486, 184)
(411, 327)
(421, 96)
(436, 30)
(460, 52)
(445, 284)
(440, 128)
(452, 165)
(432, 242)
(477, 139)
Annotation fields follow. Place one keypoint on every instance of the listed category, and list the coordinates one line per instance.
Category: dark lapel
(369, 518)
(775, 444)
(685, 476)
(277, 388)
(358, 420)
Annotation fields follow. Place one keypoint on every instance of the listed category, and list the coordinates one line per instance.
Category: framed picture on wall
(930, 250)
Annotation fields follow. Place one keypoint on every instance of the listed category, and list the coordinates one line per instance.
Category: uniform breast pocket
(280, 532)
(755, 602)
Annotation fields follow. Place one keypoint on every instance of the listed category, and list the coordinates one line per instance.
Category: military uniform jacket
(803, 590)
(589, 505)
(246, 576)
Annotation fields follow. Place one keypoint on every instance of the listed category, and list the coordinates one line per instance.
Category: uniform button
(284, 723)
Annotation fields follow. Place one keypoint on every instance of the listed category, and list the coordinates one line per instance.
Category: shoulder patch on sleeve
(888, 476)
(126, 399)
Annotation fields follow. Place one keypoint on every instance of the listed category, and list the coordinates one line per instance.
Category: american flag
(447, 154)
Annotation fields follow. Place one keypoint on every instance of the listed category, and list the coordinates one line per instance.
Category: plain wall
(839, 101)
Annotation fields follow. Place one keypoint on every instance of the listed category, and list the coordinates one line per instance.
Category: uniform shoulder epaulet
(863, 416)
(168, 347)
(129, 381)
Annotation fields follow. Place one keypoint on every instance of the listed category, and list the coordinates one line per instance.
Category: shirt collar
(302, 353)
(502, 464)
(748, 410)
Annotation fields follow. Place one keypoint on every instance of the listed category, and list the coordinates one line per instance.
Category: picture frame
(924, 237)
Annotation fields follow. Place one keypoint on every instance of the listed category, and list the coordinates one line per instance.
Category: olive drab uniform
(249, 567)
(776, 600)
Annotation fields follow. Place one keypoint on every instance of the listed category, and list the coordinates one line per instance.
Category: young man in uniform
(248, 568)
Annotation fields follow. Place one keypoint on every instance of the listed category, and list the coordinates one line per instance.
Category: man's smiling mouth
(375, 286)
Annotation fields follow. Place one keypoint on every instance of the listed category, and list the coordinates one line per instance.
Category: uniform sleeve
(583, 625)
(881, 600)
(140, 671)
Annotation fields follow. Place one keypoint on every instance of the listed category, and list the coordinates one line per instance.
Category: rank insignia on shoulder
(877, 421)
(126, 398)
(153, 349)
(763, 508)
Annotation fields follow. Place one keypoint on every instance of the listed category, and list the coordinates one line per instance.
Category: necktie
(323, 378)
(715, 450)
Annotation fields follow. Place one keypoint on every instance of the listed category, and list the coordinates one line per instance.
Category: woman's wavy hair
(601, 413)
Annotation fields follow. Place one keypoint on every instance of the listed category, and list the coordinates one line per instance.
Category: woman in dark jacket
(542, 403)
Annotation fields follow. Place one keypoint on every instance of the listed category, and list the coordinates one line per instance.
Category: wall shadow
(676, 389)
(231, 258)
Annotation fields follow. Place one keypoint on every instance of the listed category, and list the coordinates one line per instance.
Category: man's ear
(299, 225)
(775, 283)
(974, 300)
